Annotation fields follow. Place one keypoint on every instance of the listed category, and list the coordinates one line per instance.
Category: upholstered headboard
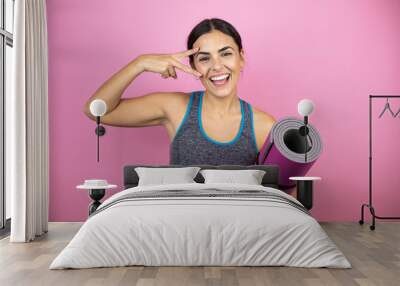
(270, 178)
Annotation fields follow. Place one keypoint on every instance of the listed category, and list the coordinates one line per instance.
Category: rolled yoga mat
(285, 147)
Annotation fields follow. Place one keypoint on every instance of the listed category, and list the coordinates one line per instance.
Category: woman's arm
(146, 110)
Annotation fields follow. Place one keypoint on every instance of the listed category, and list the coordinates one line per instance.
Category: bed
(199, 224)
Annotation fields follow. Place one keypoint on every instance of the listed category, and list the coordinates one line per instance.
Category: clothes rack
(369, 205)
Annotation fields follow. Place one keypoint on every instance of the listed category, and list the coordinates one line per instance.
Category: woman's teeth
(220, 77)
(220, 80)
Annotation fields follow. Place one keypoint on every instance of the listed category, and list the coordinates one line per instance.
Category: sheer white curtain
(27, 124)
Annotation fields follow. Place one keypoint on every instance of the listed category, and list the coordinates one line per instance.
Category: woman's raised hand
(165, 64)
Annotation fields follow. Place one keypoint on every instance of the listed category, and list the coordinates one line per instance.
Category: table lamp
(98, 107)
(305, 108)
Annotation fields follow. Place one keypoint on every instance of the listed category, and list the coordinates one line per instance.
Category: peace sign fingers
(186, 53)
(185, 68)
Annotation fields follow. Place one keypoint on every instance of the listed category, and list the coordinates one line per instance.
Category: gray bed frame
(270, 178)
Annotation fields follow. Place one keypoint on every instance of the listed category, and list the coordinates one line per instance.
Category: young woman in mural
(213, 126)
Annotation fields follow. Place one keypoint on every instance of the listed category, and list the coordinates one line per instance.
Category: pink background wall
(333, 52)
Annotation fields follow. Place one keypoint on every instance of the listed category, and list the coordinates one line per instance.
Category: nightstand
(97, 190)
(305, 190)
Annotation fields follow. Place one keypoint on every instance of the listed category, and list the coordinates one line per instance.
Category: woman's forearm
(112, 90)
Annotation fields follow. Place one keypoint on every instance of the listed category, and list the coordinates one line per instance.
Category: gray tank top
(192, 146)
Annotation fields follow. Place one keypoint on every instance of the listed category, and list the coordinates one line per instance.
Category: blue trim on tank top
(204, 133)
(189, 106)
(252, 127)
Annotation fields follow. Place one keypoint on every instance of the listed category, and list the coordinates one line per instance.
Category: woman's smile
(220, 80)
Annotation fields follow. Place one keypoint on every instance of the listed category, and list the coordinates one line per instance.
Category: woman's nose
(217, 65)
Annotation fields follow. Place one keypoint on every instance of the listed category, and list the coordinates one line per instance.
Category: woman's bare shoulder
(176, 100)
(262, 122)
(263, 116)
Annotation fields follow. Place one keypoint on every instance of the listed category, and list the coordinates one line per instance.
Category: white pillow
(249, 177)
(162, 176)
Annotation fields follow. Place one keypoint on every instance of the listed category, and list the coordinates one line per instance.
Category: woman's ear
(242, 61)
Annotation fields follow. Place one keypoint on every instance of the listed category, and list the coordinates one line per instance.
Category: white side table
(305, 190)
(96, 193)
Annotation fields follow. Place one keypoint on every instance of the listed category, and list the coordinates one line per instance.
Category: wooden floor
(374, 255)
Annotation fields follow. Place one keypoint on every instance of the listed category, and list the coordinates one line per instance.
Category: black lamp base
(305, 193)
(96, 195)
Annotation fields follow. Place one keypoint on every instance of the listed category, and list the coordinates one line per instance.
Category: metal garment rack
(369, 205)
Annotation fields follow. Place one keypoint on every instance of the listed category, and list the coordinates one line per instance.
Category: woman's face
(217, 58)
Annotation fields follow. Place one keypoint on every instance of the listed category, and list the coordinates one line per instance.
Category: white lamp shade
(305, 107)
(98, 107)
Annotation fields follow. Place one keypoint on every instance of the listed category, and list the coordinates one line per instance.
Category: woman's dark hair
(208, 25)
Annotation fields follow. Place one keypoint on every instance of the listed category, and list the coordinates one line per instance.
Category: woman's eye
(206, 58)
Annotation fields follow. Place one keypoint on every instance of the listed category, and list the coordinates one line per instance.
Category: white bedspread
(200, 231)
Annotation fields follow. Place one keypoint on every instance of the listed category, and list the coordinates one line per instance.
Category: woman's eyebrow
(220, 50)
